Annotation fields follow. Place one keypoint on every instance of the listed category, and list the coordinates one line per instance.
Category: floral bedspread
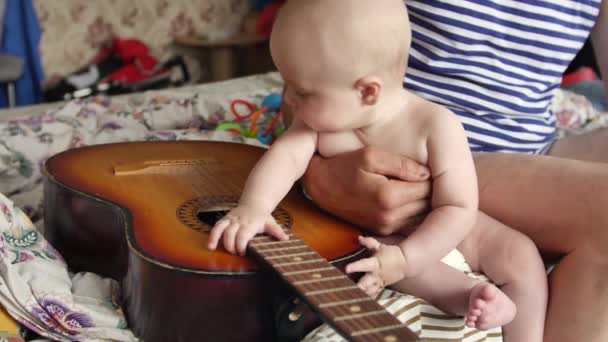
(191, 113)
(35, 286)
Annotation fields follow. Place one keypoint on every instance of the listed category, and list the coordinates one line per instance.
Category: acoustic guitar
(141, 212)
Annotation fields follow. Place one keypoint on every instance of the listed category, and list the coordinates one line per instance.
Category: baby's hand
(385, 267)
(240, 225)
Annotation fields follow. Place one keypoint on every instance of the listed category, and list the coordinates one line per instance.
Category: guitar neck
(338, 300)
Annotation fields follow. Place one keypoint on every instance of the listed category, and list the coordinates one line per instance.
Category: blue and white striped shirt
(497, 63)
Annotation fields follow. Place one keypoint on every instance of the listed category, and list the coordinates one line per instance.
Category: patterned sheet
(58, 311)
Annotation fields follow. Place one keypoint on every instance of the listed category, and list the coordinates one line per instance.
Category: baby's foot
(489, 307)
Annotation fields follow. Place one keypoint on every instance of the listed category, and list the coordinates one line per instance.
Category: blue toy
(265, 139)
(273, 101)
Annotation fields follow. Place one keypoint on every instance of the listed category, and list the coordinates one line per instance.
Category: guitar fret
(317, 275)
(359, 315)
(289, 233)
(335, 289)
(273, 242)
(280, 249)
(377, 330)
(329, 268)
(358, 308)
(310, 281)
(358, 320)
(272, 257)
(301, 262)
(342, 282)
(344, 302)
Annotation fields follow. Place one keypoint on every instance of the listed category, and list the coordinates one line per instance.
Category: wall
(75, 30)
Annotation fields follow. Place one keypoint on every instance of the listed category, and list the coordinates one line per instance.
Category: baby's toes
(475, 313)
(478, 304)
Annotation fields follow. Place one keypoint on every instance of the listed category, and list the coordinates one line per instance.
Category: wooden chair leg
(223, 64)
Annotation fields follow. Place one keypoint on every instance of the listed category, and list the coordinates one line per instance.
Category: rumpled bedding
(36, 287)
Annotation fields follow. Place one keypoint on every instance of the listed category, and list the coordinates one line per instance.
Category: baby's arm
(269, 181)
(454, 198)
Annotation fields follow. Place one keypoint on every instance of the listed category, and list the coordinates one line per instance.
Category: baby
(343, 63)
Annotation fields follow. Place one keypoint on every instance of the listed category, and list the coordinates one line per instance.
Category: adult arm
(599, 40)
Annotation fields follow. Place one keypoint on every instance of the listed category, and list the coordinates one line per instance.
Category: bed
(64, 306)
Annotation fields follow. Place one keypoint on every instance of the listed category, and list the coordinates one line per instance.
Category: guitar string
(233, 189)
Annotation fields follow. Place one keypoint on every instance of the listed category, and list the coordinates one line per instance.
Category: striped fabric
(497, 63)
(429, 323)
(426, 321)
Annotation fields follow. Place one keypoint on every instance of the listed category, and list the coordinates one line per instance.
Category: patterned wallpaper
(74, 30)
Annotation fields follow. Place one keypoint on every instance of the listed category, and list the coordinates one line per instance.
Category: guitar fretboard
(351, 312)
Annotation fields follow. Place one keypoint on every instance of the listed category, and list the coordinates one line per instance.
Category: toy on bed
(124, 66)
(268, 13)
(248, 124)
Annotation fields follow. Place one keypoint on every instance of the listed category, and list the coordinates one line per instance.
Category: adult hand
(374, 189)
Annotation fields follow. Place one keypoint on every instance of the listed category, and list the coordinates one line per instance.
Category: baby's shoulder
(422, 105)
(435, 117)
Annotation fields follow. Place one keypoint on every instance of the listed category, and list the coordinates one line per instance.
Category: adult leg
(561, 205)
(589, 147)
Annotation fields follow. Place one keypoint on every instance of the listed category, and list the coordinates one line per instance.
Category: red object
(578, 76)
(273, 124)
(266, 20)
(139, 64)
(250, 106)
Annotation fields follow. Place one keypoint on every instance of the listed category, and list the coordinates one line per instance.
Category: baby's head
(340, 58)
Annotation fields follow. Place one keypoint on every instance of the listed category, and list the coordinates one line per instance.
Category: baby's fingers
(369, 243)
(242, 239)
(275, 230)
(216, 233)
(370, 284)
(230, 236)
(369, 265)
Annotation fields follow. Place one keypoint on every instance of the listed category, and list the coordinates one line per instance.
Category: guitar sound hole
(210, 217)
(202, 213)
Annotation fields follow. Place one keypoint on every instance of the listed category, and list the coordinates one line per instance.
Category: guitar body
(140, 213)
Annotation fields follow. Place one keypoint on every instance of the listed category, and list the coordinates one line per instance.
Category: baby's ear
(369, 88)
